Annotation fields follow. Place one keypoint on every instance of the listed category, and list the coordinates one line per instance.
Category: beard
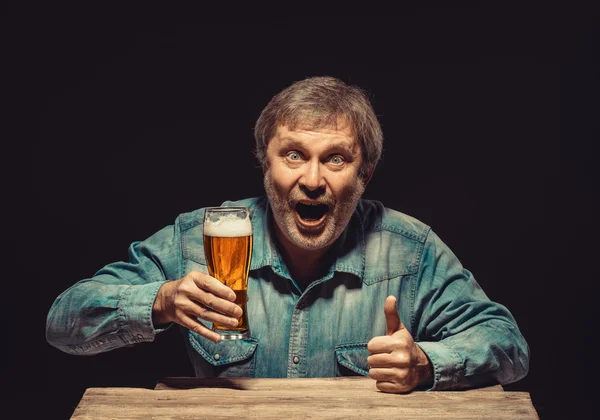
(285, 206)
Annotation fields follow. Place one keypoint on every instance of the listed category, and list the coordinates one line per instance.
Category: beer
(228, 251)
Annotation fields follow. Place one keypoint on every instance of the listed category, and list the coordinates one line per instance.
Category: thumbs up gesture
(396, 362)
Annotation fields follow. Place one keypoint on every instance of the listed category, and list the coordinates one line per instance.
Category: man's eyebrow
(292, 142)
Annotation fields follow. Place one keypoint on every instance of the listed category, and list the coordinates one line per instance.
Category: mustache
(296, 195)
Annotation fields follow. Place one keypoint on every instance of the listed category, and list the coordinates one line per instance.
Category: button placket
(298, 340)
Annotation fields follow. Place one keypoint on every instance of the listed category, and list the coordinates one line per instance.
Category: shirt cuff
(447, 365)
(135, 310)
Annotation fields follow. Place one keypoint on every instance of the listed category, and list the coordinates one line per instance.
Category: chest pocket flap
(353, 356)
(224, 352)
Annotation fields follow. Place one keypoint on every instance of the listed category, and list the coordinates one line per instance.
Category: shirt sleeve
(470, 340)
(113, 308)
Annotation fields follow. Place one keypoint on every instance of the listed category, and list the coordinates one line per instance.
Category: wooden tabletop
(241, 398)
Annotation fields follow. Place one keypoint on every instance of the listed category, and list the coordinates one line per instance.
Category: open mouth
(311, 213)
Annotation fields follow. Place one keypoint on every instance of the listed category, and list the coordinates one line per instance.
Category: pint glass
(228, 251)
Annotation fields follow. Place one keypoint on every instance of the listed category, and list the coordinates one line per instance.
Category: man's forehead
(339, 134)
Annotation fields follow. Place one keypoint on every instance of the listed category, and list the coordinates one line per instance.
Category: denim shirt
(318, 331)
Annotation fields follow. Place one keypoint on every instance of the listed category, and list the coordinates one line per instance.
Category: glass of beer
(228, 251)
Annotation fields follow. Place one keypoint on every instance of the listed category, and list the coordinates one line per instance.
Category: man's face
(312, 184)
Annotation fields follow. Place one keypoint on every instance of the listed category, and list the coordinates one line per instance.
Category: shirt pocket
(352, 359)
(233, 358)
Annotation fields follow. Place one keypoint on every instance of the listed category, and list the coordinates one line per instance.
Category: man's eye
(293, 156)
(337, 160)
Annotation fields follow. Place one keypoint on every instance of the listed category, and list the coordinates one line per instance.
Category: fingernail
(232, 296)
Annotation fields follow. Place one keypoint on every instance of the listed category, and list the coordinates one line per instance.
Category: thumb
(392, 319)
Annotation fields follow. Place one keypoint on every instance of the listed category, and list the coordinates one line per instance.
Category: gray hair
(319, 102)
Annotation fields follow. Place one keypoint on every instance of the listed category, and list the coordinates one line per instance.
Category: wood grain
(333, 398)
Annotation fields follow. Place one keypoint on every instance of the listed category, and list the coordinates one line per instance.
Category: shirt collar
(350, 246)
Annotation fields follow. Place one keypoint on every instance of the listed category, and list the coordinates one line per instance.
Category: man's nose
(312, 179)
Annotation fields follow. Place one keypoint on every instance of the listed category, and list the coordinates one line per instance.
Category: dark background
(115, 121)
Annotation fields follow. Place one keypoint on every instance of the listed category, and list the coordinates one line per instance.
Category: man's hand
(396, 362)
(196, 295)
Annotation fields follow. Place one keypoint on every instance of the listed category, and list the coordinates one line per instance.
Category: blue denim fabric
(320, 331)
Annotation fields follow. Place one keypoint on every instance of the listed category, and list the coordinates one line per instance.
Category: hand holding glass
(228, 252)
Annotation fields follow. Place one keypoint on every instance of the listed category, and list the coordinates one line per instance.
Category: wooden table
(342, 398)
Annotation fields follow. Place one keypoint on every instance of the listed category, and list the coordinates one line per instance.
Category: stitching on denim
(148, 313)
(395, 229)
(458, 370)
(191, 219)
(350, 345)
(210, 359)
(120, 311)
(353, 367)
(459, 367)
(184, 227)
(411, 269)
(304, 336)
(363, 248)
(183, 245)
(359, 234)
(108, 342)
(179, 241)
(416, 277)
(349, 270)
(189, 255)
(340, 352)
(191, 224)
(388, 276)
(417, 262)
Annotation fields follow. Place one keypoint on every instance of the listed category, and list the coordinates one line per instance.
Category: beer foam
(230, 226)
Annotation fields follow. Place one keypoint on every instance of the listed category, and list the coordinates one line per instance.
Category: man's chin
(311, 238)
(310, 243)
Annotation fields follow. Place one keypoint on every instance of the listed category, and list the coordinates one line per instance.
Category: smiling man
(338, 285)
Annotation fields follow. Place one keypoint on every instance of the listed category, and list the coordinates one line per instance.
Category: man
(338, 285)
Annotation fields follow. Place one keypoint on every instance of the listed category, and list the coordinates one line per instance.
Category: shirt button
(217, 356)
(140, 336)
(100, 342)
(296, 359)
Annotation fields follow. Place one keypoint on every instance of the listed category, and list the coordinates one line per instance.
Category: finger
(392, 319)
(382, 344)
(215, 303)
(380, 360)
(384, 374)
(200, 311)
(388, 344)
(212, 285)
(198, 328)
(392, 387)
(396, 359)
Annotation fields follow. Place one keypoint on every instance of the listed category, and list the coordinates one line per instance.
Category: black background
(116, 120)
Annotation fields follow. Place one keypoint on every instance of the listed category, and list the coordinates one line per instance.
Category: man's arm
(130, 302)
(461, 338)
(113, 308)
(470, 340)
